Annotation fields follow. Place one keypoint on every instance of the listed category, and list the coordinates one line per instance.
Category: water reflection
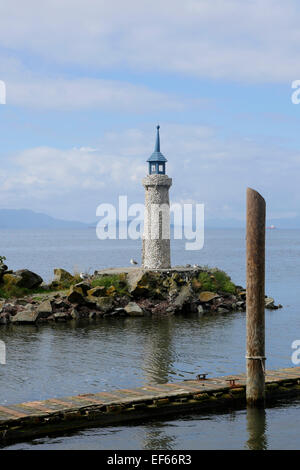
(156, 437)
(66, 359)
(256, 427)
(159, 353)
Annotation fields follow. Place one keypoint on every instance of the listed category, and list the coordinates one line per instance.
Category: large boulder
(61, 276)
(29, 279)
(133, 278)
(137, 283)
(84, 285)
(183, 297)
(44, 309)
(207, 296)
(3, 270)
(29, 315)
(76, 295)
(11, 280)
(60, 316)
(144, 283)
(134, 310)
(98, 291)
(105, 304)
(22, 278)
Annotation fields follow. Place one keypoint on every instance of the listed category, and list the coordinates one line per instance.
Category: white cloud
(70, 183)
(249, 40)
(86, 93)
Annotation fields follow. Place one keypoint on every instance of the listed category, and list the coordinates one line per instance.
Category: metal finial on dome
(157, 143)
(157, 161)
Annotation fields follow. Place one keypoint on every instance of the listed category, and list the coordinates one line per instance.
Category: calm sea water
(52, 361)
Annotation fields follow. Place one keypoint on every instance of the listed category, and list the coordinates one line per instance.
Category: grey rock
(22, 302)
(61, 275)
(134, 310)
(222, 310)
(75, 314)
(184, 296)
(60, 316)
(29, 315)
(76, 295)
(134, 278)
(4, 318)
(200, 310)
(44, 310)
(84, 285)
(98, 291)
(103, 303)
(61, 304)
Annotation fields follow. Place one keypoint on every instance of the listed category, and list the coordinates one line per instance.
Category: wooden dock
(33, 419)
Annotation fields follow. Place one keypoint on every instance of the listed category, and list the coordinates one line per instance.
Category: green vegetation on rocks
(118, 282)
(216, 280)
(135, 292)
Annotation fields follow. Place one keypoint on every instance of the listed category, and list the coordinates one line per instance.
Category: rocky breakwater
(128, 293)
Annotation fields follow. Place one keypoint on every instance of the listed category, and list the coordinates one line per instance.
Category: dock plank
(53, 414)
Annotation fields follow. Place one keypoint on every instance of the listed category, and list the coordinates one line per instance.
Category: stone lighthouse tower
(156, 238)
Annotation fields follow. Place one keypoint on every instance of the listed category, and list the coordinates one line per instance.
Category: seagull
(196, 266)
(83, 276)
(132, 261)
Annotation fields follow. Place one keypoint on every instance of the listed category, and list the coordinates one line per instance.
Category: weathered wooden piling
(255, 302)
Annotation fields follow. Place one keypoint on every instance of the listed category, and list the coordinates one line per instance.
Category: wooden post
(255, 304)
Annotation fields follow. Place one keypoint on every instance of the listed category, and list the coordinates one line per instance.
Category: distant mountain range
(293, 223)
(25, 218)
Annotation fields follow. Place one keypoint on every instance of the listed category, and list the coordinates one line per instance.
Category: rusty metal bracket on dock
(232, 383)
(201, 376)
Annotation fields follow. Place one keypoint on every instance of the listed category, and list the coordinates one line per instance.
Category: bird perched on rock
(132, 261)
(83, 276)
(195, 266)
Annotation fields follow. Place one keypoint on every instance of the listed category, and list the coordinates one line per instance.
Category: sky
(87, 81)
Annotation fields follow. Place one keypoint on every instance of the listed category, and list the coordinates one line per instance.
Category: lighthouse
(156, 238)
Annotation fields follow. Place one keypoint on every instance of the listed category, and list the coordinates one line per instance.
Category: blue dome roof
(157, 156)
